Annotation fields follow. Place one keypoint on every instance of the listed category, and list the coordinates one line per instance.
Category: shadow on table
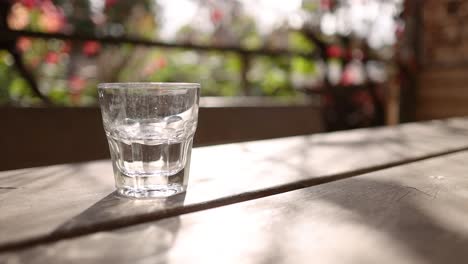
(153, 243)
(406, 216)
(118, 217)
(114, 211)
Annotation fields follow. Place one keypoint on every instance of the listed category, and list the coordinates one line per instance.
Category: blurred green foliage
(68, 72)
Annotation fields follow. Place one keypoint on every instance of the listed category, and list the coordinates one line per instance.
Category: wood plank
(436, 110)
(443, 73)
(51, 203)
(219, 125)
(415, 213)
(442, 87)
(443, 93)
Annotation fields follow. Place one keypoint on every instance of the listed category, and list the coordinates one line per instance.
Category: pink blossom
(216, 16)
(76, 83)
(91, 48)
(334, 51)
(23, 44)
(52, 57)
(110, 3)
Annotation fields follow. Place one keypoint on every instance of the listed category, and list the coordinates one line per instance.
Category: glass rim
(149, 85)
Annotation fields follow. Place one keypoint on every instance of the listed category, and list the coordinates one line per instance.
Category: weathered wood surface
(47, 204)
(414, 213)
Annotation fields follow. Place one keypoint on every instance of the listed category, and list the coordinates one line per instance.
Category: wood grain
(47, 204)
(442, 93)
(415, 213)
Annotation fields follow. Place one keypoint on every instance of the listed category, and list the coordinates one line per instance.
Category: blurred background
(270, 67)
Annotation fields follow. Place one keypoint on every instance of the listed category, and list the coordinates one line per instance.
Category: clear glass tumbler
(150, 129)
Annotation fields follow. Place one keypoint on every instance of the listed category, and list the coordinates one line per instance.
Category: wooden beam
(151, 43)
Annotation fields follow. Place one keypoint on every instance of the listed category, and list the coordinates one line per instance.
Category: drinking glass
(150, 129)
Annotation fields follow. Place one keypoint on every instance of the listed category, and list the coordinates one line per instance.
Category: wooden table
(383, 195)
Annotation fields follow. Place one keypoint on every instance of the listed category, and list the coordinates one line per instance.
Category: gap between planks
(127, 221)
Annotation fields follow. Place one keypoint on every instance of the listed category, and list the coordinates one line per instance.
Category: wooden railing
(9, 37)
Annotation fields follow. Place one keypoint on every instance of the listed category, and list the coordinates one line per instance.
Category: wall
(443, 74)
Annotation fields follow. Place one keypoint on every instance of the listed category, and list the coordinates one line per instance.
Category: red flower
(325, 4)
(52, 57)
(160, 62)
(19, 17)
(23, 44)
(216, 16)
(52, 18)
(91, 48)
(156, 64)
(347, 78)
(334, 51)
(110, 3)
(29, 3)
(76, 84)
